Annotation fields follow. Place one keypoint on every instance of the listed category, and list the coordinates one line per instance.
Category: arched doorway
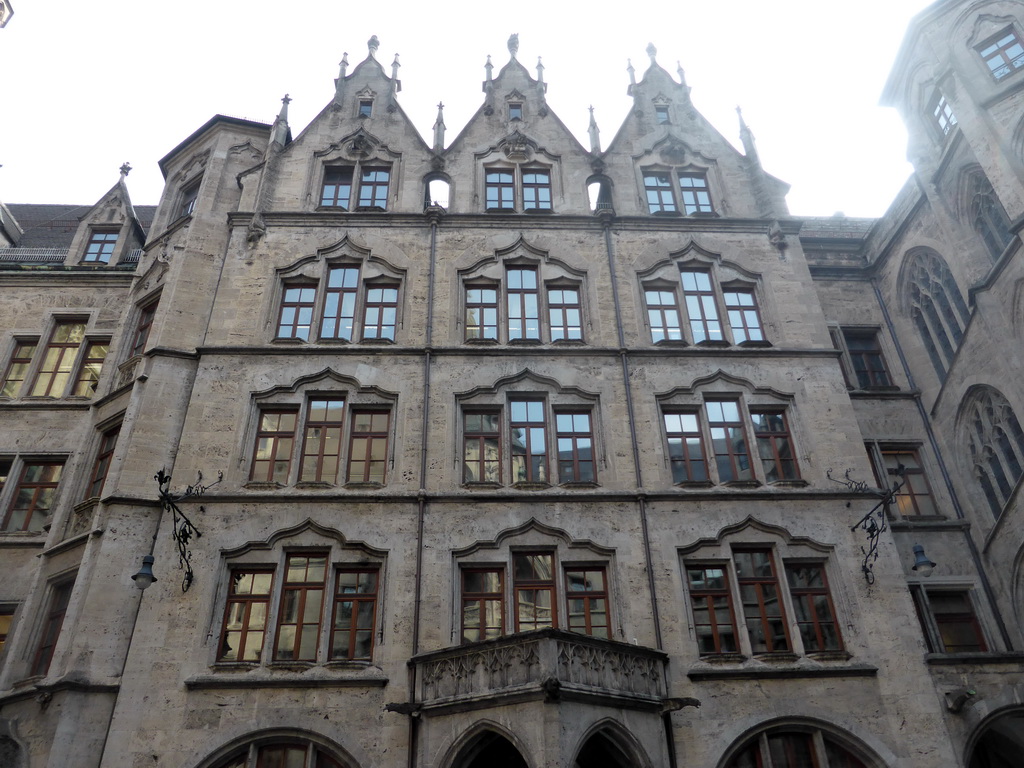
(489, 750)
(1001, 744)
(602, 752)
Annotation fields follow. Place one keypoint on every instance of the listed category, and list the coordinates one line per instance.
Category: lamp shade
(922, 565)
(145, 575)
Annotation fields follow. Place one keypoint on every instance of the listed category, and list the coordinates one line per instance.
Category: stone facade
(516, 453)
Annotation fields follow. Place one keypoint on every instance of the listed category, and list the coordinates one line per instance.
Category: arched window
(988, 218)
(281, 754)
(1001, 744)
(436, 192)
(795, 747)
(995, 442)
(936, 306)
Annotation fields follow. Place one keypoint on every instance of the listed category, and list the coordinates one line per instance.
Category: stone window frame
(932, 300)
(552, 275)
(252, 751)
(187, 198)
(295, 399)
(33, 361)
(106, 445)
(841, 336)
(672, 191)
(785, 550)
(314, 272)
(555, 400)
(518, 185)
(724, 276)
(356, 184)
(535, 538)
(271, 556)
(940, 116)
(143, 319)
(988, 427)
(51, 623)
(1004, 41)
(917, 491)
(822, 740)
(931, 626)
(104, 246)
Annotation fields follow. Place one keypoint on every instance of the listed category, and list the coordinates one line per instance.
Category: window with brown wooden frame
(100, 467)
(528, 437)
(586, 597)
(949, 620)
(59, 356)
(90, 368)
(53, 622)
(686, 454)
(481, 447)
(812, 605)
(245, 615)
(143, 326)
(302, 602)
(728, 440)
(761, 601)
(368, 448)
(701, 306)
(275, 441)
(714, 620)
(1003, 53)
(355, 614)
(100, 247)
(295, 319)
(915, 494)
(774, 445)
(30, 505)
(533, 579)
(17, 367)
(322, 440)
(483, 604)
(574, 441)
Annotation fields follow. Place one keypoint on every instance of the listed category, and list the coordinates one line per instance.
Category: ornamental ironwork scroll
(875, 522)
(184, 530)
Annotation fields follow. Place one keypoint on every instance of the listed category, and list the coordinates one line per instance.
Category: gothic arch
(608, 745)
(998, 741)
(989, 428)
(979, 207)
(796, 738)
(246, 751)
(486, 745)
(931, 298)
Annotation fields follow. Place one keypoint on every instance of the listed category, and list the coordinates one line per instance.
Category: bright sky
(88, 86)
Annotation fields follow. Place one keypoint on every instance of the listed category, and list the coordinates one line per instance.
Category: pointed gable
(110, 231)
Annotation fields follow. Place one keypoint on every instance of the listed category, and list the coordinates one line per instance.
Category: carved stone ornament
(361, 146)
(517, 148)
(673, 153)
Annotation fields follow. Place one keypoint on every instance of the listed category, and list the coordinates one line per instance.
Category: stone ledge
(782, 673)
(993, 657)
(320, 677)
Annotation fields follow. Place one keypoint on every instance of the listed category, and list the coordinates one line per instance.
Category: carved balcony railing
(34, 255)
(547, 664)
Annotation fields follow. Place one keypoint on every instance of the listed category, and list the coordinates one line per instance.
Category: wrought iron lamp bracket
(183, 530)
(875, 522)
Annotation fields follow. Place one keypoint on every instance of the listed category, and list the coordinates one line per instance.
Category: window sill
(569, 342)
(974, 657)
(22, 539)
(580, 484)
(524, 486)
(695, 484)
(713, 343)
(370, 209)
(755, 343)
(672, 343)
(501, 210)
(288, 340)
(788, 484)
(876, 388)
(672, 214)
(263, 485)
(376, 340)
(525, 342)
(752, 669)
(314, 484)
(332, 208)
(703, 215)
(478, 484)
(538, 211)
(483, 341)
(742, 484)
(277, 675)
(364, 485)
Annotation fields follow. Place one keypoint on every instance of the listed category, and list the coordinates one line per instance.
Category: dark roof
(54, 226)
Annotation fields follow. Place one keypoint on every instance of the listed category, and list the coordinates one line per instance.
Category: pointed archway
(489, 750)
(1001, 744)
(602, 752)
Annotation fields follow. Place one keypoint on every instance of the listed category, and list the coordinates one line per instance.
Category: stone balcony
(546, 664)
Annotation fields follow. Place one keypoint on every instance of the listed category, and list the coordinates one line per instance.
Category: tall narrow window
(711, 603)
(58, 360)
(658, 188)
(686, 447)
(529, 441)
(142, 328)
(536, 190)
(188, 199)
(21, 359)
(701, 307)
(373, 188)
(481, 312)
(534, 581)
(586, 595)
(774, 445)
(365, 107)
(245, 616)
(949, 622)
(275, 440)
(337, 188)
(481, 456)
(728, 441)
(661, 114)
(355, 614)
(941, 114)
(936, 307)
(90, 368)
(500, 190)
(915, 495)
(60, 598)
(988, 217)
(515, 110)
(812, 603)
(866, 361)
(321, 444)
(33, 496)
(100, 247)
(6, 619)
(762, 605)
(302, 598)
(996, 444)
(696, 198)
(523, 304)
(368, 453)
(339, 303)
(5, 471)
(381, 315)
(744, 319)
(575, 440)
(101, 466)
(1003, 54)
(663, 316)
(564, 313)
(483, 604)
(296, 316)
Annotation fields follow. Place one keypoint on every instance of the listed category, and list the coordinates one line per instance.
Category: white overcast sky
(88, 86)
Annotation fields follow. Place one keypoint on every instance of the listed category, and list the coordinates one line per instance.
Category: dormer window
(1003, 53)
(365, 107)
(661, 114)
(515, 111)
(100, 247)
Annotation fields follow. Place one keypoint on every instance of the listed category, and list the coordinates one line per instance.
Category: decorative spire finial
(488, 66)
(394, 73)
(439, 128)
(681, 73)
(513, 44)
(747, 137)
(540, 71)
(595, 140)
(125, 169)
(652, 52)
(632, 72)
(373, 44)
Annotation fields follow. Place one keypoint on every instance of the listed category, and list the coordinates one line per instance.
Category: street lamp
(922, 565)
(144, 578)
